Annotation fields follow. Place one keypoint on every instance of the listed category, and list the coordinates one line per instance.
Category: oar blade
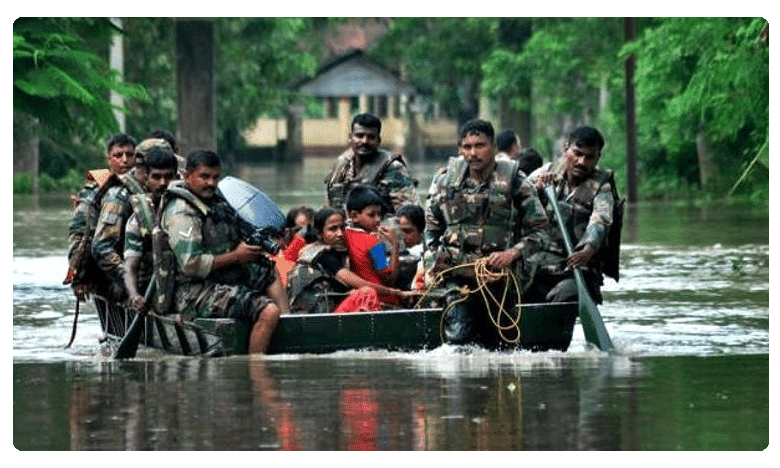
(129, 344)
(592, 324)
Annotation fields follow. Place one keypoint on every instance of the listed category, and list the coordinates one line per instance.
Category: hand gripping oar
(129, 344)
(592, 324)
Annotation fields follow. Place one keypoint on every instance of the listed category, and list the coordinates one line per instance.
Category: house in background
(347, 85)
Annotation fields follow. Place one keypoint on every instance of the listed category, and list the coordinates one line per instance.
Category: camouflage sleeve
(185, 237)
(78, 223)
(600, 219)
(532, 217)
(401, 186)
(133, 242)
(435, 223)
(108, 243)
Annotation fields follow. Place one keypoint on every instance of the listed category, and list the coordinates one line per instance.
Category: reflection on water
(690, 319)
(376, 401)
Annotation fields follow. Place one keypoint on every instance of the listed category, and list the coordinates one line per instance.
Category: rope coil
(485, 276)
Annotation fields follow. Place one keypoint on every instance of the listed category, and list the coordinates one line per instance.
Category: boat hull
(543, 327)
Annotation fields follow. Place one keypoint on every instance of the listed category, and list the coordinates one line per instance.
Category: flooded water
(689, 317)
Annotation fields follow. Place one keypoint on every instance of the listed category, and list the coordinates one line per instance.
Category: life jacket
(338, 183)
(481, 220)
(165, 266)
(607, 259)
(83, 270)
(308, 285)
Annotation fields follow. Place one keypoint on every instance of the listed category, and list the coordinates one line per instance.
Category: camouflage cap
(147, 145)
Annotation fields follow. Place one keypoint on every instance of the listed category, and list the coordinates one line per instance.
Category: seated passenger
(297, 231)
(368, 255)
(322, 273)
(411, 222)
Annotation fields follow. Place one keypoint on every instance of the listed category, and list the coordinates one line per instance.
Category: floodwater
(689, 318)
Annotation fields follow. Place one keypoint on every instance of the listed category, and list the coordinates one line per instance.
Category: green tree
(257, 62)
(703, 97)
(443, 56)
(61, 81)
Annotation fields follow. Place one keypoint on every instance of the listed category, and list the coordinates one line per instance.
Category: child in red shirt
(368, 256)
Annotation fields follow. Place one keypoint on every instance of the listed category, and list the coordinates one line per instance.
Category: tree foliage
(707, 75)
(59, 80)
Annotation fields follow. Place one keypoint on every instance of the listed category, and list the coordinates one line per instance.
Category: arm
(390, 275)
(597, 229)
(109, 232)
(532, 221)
(354, 281)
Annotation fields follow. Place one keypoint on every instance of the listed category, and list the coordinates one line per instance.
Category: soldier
(115, 209)
(587, 197)
(160, 166)
(216, 273)
(480, 211)
(83, 274)
(364, 163)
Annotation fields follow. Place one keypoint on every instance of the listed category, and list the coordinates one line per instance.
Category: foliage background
(702, 86)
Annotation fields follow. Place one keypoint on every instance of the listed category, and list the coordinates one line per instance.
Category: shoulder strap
(389, 158)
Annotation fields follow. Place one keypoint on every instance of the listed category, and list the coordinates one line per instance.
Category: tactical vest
(338, 184)
(607, 259)
(219, 224)
(308, 285)
(145, 215)
(83, 270)
(480, 220)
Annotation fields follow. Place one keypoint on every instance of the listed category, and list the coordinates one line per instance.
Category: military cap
(147, 145)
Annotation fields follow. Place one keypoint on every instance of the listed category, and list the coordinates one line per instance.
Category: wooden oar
(592, 324)
(129, 344)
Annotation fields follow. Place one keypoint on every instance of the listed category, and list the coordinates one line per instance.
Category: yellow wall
(333, 132)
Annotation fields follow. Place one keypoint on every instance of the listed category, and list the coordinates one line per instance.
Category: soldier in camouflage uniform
(479, 208)
(587, 199)
(364, 163)
(216, 273)
(160, 166)
(83, 273)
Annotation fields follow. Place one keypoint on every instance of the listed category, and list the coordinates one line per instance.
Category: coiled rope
(484, 276)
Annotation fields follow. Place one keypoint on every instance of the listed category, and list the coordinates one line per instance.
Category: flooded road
(689, 318)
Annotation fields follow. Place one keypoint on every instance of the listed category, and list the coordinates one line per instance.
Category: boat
(547, 326)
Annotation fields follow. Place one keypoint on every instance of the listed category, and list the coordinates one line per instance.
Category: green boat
(543, 327)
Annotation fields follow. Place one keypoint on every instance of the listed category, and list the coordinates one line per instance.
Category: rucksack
(83, 271)
(610, 256)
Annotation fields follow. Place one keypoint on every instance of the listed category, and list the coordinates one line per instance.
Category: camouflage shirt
(196, 235)
(138, 234)
(465, 220)
(386, 172)
(588, 213)
(115, 209)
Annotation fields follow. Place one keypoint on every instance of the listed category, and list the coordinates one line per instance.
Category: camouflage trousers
(210, 299)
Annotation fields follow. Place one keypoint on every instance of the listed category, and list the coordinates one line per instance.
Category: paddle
(592, 324)
(129, 344)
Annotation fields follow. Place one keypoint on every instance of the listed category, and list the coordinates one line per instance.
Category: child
(368, 256)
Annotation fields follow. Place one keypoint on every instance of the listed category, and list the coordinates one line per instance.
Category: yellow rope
(484, 275)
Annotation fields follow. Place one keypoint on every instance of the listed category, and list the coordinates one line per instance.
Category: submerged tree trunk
(707, 168)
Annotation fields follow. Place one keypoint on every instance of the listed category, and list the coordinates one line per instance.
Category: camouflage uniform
(197, 231)
(386, 172)
(465, 221)
(588, 215)
(138, 236)
(309, 283)
(108, 243)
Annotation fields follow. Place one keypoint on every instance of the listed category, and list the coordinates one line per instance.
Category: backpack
(83, 271)
(610, 256)
(164, 270)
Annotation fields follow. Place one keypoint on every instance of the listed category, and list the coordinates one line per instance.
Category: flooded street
(689, 319)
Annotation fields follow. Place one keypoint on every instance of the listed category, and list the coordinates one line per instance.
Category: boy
(368, 256)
